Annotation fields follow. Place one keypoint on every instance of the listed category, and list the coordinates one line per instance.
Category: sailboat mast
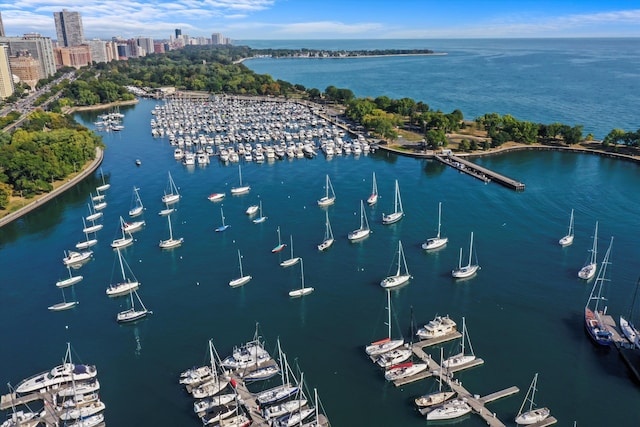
(399, 257)
(170, 230)
(439, 215)
(240, 262)
(302, 272)
(121, 266)
(470, 249)
(389, 311)
(464, 333)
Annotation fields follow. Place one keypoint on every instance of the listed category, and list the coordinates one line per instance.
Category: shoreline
(240, 61)
(72, 110)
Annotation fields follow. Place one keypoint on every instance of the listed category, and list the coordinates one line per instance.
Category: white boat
(397, 213)
(291, 261)
(216, 197)
(137, 207)
(593, 312)
(125, 240)
(373, 198)
(438, 327)
(217, 414)
(93, 215)
(83, 411)
(71, 280)
(242, 279)
(241, 189)
(468, 270)
(449, 410)
(90, 228)
(364, 229)
(87, 243)
(394, 357)
(170, 242)
(104, 186)
(330, 196)
(127, 285)
(626, 323)
(438, 241)
(79, 388)
(203, 405)
(171, 194)
(404, 370)
(80, 400)
(74, 258)
(166, 211)
(91, 421)
(224, 226)
(276, 411)
(250, 354)
(260, 218)
(568, 239)
(130, 227)
(280, 246)
(133, 314)
(386, 344)
(304, 290)
(589, 269)
(328, 234)
(533, 415)
(216, 384)
(461, 358)
(260, 374)
(64, 305)
(402, 275)
(98, 197)
(19, 418)
(252, 210)
(294, 419)
(282, 391)
(436, 397)
(239, 420)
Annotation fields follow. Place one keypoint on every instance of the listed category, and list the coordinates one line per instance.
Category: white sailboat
(216, 197)
(373, 198)
(386, 344)
(224, 226)
(171, 194)
(291, 261)
(216, 383)
(90, 228)
(252, 210)
(398, 212)
(170, 242)
(98, 197)
(402, 276)
(104, 186)
(280, 246)
(437, 397)
(329, 197)
(568, 239)
(64, 305)
(260, 218)
(364, 229)
(468, 270)
(449, 410)
(462, 357)
(132, 313)
(133, 226)
(626, 325)
(589, 269)
(242, 279)
(532, 415)
(328, 234)
(438, 241)
(242, 189)
(304, 290)
(93, 215)
(71, 280)
(74, 258)
(166, 211)
(87, 243)
(126, 285)
(101, 204)
(137, 207)
(125, 240)
(593, 311)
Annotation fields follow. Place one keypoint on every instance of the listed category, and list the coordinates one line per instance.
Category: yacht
(439, 326)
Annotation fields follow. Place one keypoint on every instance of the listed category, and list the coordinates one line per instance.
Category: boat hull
(435, 243)
(532, 417)
(170, 243)
(289, 262)
(68, 282)
(598, 333)
(61, 306)
(566, 241)
(326, 201)
(391, 218)
(240, 281)
(131, 315)
(122, 289)
(236, 191)
(464, 272)
(325, 245)
(216, 197)
(301, 292)
(587, 272)
(359, 234)
(395, 281)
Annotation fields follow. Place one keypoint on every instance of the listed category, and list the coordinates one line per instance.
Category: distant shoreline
(240, 61)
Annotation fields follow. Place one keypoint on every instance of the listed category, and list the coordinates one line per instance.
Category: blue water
(589, 82)
(523, 309)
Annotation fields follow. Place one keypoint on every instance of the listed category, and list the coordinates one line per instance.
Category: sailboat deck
(439, 340)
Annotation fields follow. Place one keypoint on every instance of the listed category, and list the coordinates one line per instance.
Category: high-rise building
(147, 44)
(73, 56)
(6, 79)
(217, 38)
(178, 33)
(1, 26)
(39, 47)
(26, 67)
(69, 28)
(98, 49)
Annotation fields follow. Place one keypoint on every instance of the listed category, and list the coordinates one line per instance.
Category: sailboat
(171, 195)
(224, 226)
(328, 234)
(373, 198)
(261, 218)
(386, 344)
(132, 226)
(282, 391)
(64, 305)
(398, 278)
(137, 207)
(216, 197)
(98, 197)
(449, 410)
(437, 397)
(104, 186)
(330, 196)
(100, 205)
(532, 415)
(462, 357)
(438, 241)
(280, 246)
(593, 315)
(589, 269)
(127, 285)
(626, 325)
(242, 279)
(166, 211)
(74, 259)
(71, 280)
(93, 215)
(170, 242)
(252, 210)
(468, 270)
(87, 243)
(364, 229)
(90, 228)
(291, 261)
(303, 290)
(568, 239)
(216, 383)
(123, 241)
(132, 314)
(397, 213)
(242, 189)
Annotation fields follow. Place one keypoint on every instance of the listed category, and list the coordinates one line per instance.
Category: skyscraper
(178, 33)
(39, 47)
(1, 26)
(69, 28)
(6, 79)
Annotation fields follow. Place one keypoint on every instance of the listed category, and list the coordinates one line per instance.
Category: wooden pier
(249, 402)
(479, 172)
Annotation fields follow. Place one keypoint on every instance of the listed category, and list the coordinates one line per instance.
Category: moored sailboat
(532, 415)
(436, 397)
(241, 189)
(364, 229)
(438, 241)
(137, 207)
(133, 314)
(568, 239)
(373, 198)
(170, 242)
(243, 279)
(594, 322)
(291, 261)
(328, 234)
(402, 275)
(303, 290)
(589, 269)
(626, 323)
(468, 270)
(126, 285)
(386, 344)
(329, 197)
(224, 226)
(398, 212)
(280, 246)
(71, 280)
(463, 357)
(261, 217)
(171, 194)
(125, 240)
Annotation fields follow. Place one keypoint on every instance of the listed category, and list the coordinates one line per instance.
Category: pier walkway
(479, 172)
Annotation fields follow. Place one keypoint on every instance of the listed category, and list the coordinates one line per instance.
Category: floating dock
(479, 172)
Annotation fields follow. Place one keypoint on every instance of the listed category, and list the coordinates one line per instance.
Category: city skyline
(281, 19)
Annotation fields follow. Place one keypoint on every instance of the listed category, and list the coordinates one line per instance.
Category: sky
(331, 19)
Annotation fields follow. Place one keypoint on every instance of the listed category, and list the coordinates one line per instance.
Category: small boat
(203, 405)
(568, 239)
(123, 241)
(130, 227)
(364, 229)
(138, 162)
(468, 270)
(90, 421)
(404, 370)
(328, 234)
(394, 357)
(436, 397)
(260, 374)
(373, 198)
(252, 210)
(284, 408)
(216, 197)
(171, 194)
(294, 418)
(82, 412)
(242, 279)
(74, 258)
(170, 242)
(303, 290)
(93, 215)
(438, 241)
(239, 420)
(589, 269)
(218, 413)
(438, 327)
(98, 197)
(80, 388)
(261, 218)
(166, 211)
(386, 344)
(64, 305)
(100, 205)
(593, 315)
(224, 226)
(449, 410)
(461, 358)
(71, 280)
(280, 246)
(90, 228)
(291, 261)
(137, 207)
(86, 243)
(626, 325)
(127, 285)
(533, 415)
(397, 213)
(19, 418)
(401, 277)
(104, 186)
(330, 196)
(241, 189)
(132, 314)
